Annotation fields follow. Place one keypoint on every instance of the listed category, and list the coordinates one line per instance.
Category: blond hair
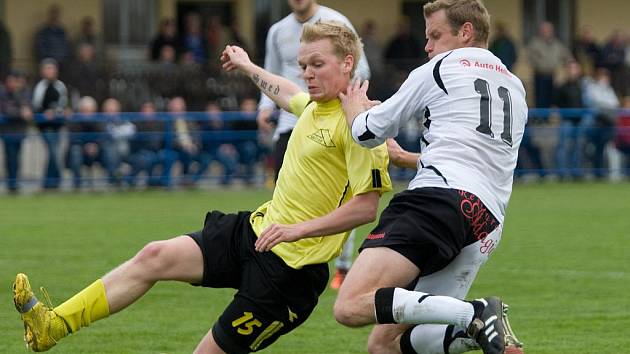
(344, 40)
(459, 12)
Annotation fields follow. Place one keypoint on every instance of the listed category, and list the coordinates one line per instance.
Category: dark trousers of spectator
(186, 159)
(529, 150)
(52, 177)
(247, 156)
(625, 150)
(226, 160)
(12, 148)
(76, 159)
(599, 137)
(543, 86)
(569, 149)
(149, 161)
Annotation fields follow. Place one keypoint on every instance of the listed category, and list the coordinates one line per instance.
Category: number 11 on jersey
(485, 110)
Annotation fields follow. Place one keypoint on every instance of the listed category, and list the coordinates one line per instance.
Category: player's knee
(152, 257)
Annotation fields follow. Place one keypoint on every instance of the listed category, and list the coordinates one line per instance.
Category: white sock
(436, 339)
(416, 307)
(344, 261)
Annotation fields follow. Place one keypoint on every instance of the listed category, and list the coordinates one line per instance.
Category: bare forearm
(406, 159)
(277, 88)
(350, 215)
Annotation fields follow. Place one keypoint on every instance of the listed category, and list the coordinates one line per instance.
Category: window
(129, 22)
(561, 13)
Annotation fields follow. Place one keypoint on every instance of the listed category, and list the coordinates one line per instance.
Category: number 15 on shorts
(246, 324)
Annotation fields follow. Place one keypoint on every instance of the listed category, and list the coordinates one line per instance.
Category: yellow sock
(89, 305)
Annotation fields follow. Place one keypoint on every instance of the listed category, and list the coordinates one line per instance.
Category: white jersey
(474, 117)
(281, 58)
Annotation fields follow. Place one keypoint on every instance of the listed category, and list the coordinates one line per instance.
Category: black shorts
(430, 226)
(272, 298)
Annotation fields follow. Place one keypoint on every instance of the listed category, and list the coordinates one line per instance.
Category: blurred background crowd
(74, 119)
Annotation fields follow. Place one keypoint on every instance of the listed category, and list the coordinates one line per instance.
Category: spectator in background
(613, 58)
(51, 40)
(404, 51)
(6, 51)
(236, 38)
(87, 35)
(167, 36)
(247, 139)
(50, 97)
(281, 58)
(218, 36)
(16, 108)
(87, 136)
(186, 144)
(586, 50)
(503, 46)
(193, 40)
(374, 53)
(572, 127)
(372, 47)
(120, 132)
(546, 55)
(215, 145)
(622, 135)
(600, 96)
(164, 78)
(529, 159)
(149, 151)
(87, 77)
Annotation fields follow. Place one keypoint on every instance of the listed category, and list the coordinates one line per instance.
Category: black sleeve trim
(376, 179)
(368, 134)
(343, 195)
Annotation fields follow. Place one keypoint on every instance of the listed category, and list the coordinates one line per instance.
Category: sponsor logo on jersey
(322, 137)
(480, 65)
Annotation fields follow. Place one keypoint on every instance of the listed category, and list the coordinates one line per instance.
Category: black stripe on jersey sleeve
(376, 179)
(436, 74)
(343, 195)
(368, 134)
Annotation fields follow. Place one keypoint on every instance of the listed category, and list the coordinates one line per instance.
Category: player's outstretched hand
(355, 99)
(234, 57)
(276, 233)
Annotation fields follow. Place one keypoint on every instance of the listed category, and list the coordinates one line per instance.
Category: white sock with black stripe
(414, 307)
(436, 339)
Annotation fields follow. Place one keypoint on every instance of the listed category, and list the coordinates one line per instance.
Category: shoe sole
(21, 282)
(512, 344)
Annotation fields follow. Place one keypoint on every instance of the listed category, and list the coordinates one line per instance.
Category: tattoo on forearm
(265, 86)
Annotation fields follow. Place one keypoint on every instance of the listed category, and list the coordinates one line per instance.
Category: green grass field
(563, 266)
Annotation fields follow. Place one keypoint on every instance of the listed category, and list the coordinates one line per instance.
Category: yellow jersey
(323, 168)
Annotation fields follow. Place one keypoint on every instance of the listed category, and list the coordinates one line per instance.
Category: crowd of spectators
(577, 92)
(175, 119)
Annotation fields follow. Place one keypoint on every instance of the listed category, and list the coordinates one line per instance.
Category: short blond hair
(459, 12)
(344, 40)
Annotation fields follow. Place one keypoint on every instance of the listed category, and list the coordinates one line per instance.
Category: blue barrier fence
(226, 149)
